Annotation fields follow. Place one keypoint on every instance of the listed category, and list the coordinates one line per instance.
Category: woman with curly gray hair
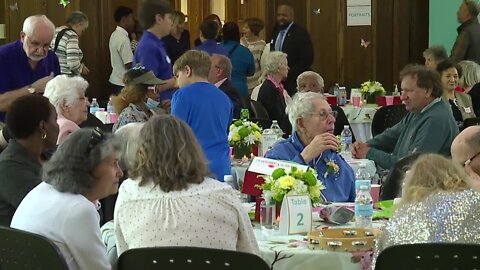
(64, 207)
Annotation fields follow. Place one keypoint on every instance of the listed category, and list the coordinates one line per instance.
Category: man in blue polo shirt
(27, 64)
(155, 17)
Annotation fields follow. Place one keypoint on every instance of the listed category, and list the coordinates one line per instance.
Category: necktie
(279, 41)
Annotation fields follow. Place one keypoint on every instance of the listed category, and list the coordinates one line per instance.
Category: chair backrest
(471, 122)
(258, 110)
(24, 250)
(341, 121)
(386, 117)
(430, 256)
(392, 186)
(180, 258)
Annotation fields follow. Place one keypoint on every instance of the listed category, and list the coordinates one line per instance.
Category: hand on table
(318, 145)
(360, 150)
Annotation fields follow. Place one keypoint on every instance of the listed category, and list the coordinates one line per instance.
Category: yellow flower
(314, 192)
(258, 135)
(255, 126)
(236, 137)
(232, 127)
(286, 182)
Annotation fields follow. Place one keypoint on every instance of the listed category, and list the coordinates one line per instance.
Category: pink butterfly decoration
(364, 43)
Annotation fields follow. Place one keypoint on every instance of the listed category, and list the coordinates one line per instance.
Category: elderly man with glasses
(27, 64)
(466, 152)
(312, 143)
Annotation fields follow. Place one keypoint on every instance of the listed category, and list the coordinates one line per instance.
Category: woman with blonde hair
(170, 200)
(136, 100)
(178, 41)
(470, 81)
(437, 206)
(271, 94)
(250, 39)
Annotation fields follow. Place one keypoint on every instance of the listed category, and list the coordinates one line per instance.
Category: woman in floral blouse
(137, 98)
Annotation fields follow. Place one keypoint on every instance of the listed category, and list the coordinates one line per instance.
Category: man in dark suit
(220, 74)
(295, 41)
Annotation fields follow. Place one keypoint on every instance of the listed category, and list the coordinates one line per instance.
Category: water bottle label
(363, 210)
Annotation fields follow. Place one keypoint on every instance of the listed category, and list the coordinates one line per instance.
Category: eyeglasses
(96, 138)
(324, 114)
(470, 159)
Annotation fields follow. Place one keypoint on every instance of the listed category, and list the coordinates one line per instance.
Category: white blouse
(204, 215)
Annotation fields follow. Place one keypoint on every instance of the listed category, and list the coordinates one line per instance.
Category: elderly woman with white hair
(311, 81)
(67, 95)
(470, 81)
(272, 95)
(313, 143)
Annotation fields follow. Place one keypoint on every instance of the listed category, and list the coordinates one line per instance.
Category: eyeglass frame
(95, 139)
(324, 114)
(468, 161)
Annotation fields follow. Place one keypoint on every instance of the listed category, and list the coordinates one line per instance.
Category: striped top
(256, 48)
(68, 52)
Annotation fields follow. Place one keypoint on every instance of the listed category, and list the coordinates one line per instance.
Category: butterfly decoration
(64, 3)
(364, 43)
(317, 11)
(14, 6)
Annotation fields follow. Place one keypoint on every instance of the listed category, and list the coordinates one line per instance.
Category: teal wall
(443, 22)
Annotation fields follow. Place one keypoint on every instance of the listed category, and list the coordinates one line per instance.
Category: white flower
(250, 139)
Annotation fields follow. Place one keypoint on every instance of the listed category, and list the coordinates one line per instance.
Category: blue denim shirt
(339, 187)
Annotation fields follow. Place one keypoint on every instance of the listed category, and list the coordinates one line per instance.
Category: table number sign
(295, 214)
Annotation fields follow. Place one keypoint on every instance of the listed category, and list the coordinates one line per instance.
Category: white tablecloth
(360, 119)
(291, 252)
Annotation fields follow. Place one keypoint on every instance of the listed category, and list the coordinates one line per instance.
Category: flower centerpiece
(371, 89)
(242, 136)
(292, 181)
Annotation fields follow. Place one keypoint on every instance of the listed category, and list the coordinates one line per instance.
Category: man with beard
(27, 64)
(295, 41)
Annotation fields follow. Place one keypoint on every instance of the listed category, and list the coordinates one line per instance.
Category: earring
(44, 136)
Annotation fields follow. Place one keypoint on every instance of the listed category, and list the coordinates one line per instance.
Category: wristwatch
(30, 89)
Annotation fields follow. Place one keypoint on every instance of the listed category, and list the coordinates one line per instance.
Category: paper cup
(389, 100)
(356, 101)
(375, 192)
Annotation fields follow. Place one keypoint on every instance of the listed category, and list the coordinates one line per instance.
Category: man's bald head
(465, 151)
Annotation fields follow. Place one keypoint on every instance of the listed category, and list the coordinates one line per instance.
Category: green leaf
(277, 173)
(309, 178)
(238, 123)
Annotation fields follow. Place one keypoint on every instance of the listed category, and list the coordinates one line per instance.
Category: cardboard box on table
(263, 166)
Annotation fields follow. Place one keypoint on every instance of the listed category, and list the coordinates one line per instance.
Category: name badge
(467, 110)
(295, 215)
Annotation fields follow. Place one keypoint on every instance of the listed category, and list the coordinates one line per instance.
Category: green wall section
(443, 22)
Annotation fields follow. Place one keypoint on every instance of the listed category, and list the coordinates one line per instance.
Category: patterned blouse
(130, 114)
(256, 48)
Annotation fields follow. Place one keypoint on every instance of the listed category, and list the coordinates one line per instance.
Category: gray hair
(273, 61)
(71, 167)
(437, 51)
(309, 73)
(225, 64)
(63, 90)
(77, 17)
(128, 136)
(470, 73)
(473, 7)
(301, 106)
(31, 23)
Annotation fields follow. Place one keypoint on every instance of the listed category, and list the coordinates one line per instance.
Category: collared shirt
(431, 104)
(217, 84)
(285, 32)
(151, 54)
(212, 47)
(340, 187)
(17, 72)
(278, 85)
(120, 55)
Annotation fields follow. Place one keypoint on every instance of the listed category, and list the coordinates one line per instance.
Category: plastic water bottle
(110, 106)
(267, 141)
(363, 204)
(267, 215)
(342, 96)
(228, 179)
(275, 128)
(336, 90)
(362, 174)
(94, 107)
(346, 141)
